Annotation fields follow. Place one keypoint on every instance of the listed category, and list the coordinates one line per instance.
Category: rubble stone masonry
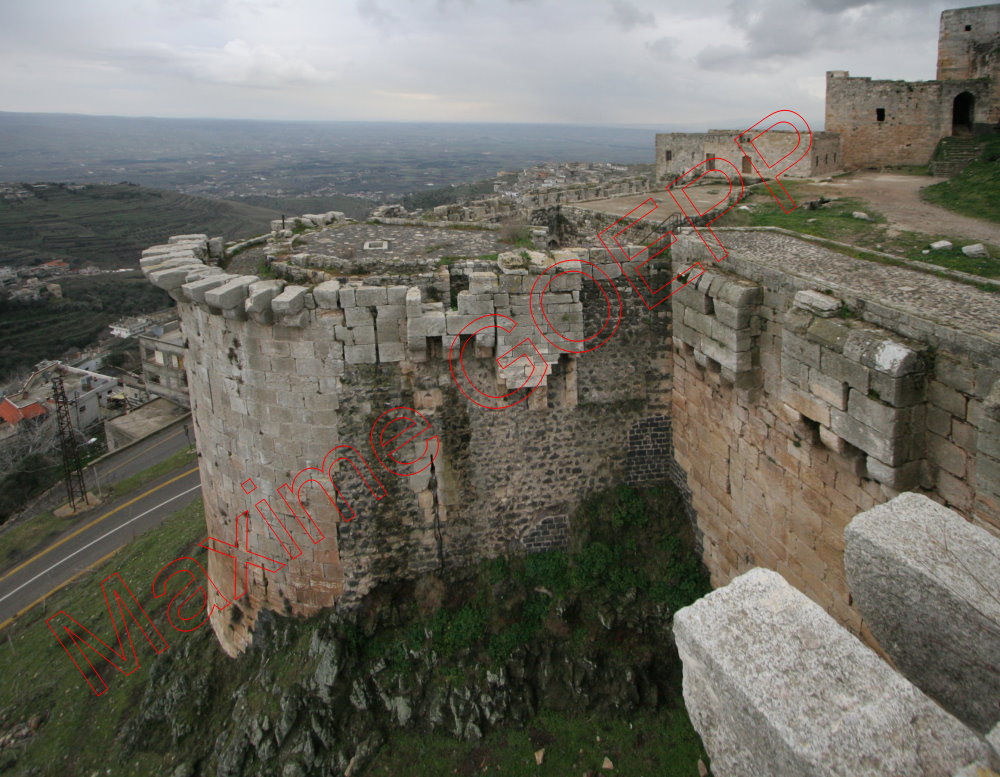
(281, 373)
(784, 391)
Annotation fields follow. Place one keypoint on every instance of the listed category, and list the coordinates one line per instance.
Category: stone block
(388, 330)
(828, 333)
(363, 335)
(739, 293)
(733, 317)
(901, 478)
(230, 294)
(455, 323)
(470, 304)
(260, 294)
(397, 295)
(355, 316)
(892, 421)
(414, 304)
(810, 407)
(925, 580)
(433, 324)
(327, 295)
(733, 339)
(905, 391)
(776, 687)
(390, 312)
(822, 305)
(483, 283)
(831, 440)
(172, 277)
(216, 248)
(795, 347)
(347, 297)
(360, 354)
(843, 369)
(831, 391)
(877, 350)
(371, 295)
(196, 289)
(892, 451)
(290, 302)
(947, 399)
(391, 352)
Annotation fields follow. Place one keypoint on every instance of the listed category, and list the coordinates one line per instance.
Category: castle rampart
(785, 390)
(281, 373)
(810, 386)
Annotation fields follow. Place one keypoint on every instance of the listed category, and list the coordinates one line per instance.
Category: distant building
(86, 391)
(130, 327)
(678, 152)
(162, 351)
(884, 122)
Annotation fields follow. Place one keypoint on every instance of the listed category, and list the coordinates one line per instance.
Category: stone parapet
(281, 372)
(927, 583)
(776, 687)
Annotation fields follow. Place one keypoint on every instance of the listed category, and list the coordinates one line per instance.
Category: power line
(72, 466)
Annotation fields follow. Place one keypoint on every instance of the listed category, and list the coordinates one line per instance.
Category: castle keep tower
(283, 370)
(885, 122)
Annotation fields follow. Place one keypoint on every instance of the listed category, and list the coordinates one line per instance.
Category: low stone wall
(776, 687)
(927, 583)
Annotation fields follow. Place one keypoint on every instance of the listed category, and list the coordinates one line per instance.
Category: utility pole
(72, 468)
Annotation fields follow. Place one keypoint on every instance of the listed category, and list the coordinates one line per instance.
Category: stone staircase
(953, 154)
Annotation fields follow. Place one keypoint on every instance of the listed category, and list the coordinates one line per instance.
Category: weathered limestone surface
(927, 583)
(788, 421)
(775, 687)
(280, 374)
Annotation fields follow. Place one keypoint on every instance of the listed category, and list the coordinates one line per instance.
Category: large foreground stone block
(776, 687)
(928, 584)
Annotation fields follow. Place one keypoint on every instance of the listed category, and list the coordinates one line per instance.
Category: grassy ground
(22, 540)
(835, 221)
(174, 461)
(40, 683)
(975, 191)
(662, 744)
(627, 556)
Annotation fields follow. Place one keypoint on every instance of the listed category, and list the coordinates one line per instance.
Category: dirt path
(898, 198)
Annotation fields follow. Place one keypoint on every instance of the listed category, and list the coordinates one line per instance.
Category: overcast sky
(576, 61)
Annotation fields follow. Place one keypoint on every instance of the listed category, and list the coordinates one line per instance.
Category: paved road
(141, 455)
(98, 536)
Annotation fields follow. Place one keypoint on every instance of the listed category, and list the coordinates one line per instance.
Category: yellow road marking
(94, 522)
(62, 585)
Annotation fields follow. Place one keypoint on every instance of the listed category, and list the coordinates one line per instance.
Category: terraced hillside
(110, 224)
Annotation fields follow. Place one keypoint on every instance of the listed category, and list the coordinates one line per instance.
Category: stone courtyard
(358, 248)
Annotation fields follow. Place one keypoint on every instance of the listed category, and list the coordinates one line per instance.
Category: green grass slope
(110, 224)
(606, 603)
(975, 191)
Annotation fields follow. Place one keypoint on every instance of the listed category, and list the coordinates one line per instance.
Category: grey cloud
(664, 49)
(237, 63)
(627, 16)
(374, 13)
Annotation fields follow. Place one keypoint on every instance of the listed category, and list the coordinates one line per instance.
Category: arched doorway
(961, 114)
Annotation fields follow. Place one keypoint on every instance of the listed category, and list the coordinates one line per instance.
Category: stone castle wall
(915, 115)
(810, 386)
(785, 390)
(280, 374)
(678, 152)
(969, 47)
